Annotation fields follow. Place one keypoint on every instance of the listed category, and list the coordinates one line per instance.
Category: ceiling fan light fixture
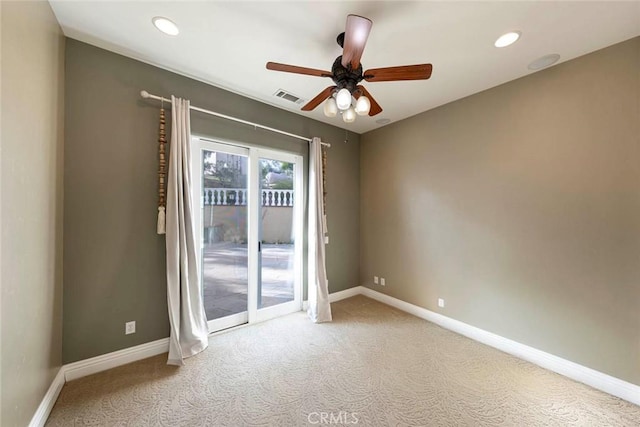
(349, 115)
(330, 107)
(363, 105)
(347, 71)
(343, 99)
(166, 25)
(507, 39)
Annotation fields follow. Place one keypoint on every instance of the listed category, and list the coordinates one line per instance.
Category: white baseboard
(588, 376)
(90, 366)
(49, 399)
(101, 363)
(337, 296)
(347, 293)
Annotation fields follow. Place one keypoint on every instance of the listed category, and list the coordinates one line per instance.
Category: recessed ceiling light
(507, 39)
(383, 121)
(544, 62)
(165, 25)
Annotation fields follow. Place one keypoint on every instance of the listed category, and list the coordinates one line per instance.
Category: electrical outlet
(382, 281)
(130, 327)
(440, 302)
(375, 280)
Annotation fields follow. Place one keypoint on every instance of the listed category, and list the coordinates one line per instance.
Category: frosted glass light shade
(363, 105)
(330, 107)
(349, 116)
(343, 99)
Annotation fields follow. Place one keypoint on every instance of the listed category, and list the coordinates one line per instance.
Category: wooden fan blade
(406, 72)
(318, 99)
(375, 107)
(355, 38)
(297, 70)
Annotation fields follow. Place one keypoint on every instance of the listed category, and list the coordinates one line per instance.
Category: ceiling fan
(346, 73)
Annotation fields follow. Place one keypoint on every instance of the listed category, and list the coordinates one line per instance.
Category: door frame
(253, 154)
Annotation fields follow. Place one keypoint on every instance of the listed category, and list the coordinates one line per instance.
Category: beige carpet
(373, 366)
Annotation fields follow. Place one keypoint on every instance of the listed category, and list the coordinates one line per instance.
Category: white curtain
(189, 331)
(319, 307)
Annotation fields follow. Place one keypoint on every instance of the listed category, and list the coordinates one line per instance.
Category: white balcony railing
(238, 197)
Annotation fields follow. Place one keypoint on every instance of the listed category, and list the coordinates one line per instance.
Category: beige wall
(31, 176)
(229, 222)
(520, 206)
(276, 227)
(277, 224)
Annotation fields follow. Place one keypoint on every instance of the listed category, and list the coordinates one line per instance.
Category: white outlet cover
(130, 328)
(382, 281)
(375, 279)
(440, 302)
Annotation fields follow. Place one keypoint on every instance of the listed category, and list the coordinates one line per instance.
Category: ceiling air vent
(281, 93)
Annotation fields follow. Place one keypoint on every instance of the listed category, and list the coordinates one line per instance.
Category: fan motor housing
(345, 77)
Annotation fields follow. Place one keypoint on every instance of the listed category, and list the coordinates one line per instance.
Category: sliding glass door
(249, 228)
(222, 232)
(279, 212)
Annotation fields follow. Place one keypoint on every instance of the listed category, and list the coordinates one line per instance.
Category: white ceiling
(228, 43)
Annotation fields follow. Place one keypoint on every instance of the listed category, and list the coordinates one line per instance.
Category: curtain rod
(145, 94)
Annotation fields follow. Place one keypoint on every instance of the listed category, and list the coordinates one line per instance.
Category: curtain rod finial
(144, 94)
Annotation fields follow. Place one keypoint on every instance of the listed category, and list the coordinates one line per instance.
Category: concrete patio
(225, 277)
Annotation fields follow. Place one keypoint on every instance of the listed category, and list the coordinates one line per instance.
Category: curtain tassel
(161, 220)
